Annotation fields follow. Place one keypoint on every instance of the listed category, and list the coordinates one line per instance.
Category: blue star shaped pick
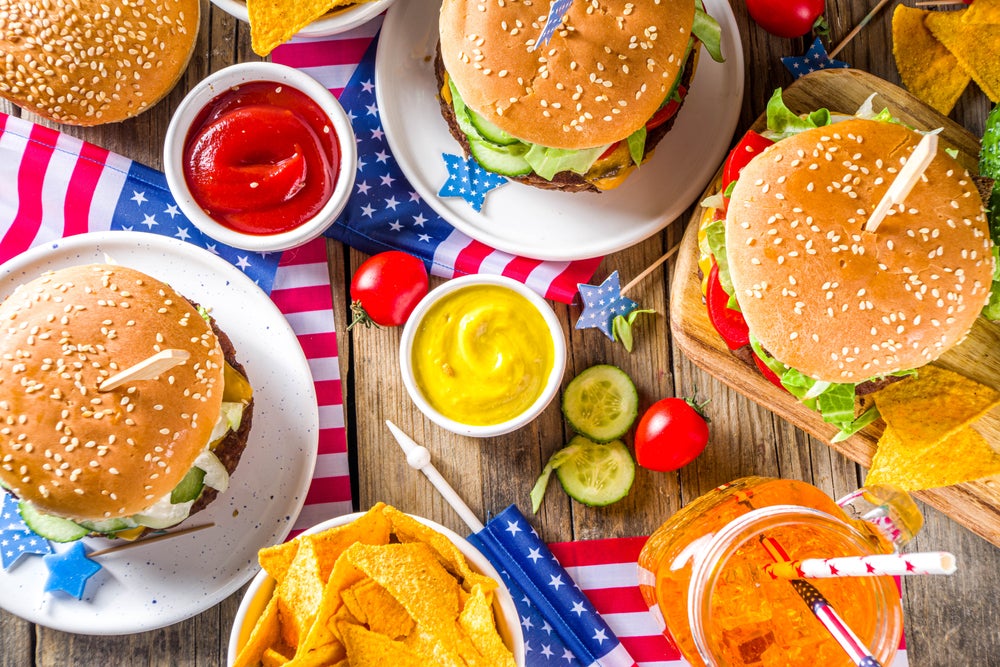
(557, 10)
(16, 539)
(602, 304)
(815, 59)
(69, 570)
(466, 179)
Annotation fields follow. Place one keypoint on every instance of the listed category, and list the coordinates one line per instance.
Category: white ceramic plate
(333, 23)
(262, 587)
(543, 224)
(153, 586)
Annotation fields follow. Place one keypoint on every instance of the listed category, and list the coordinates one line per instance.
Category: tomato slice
(749, 146)
(667, 111)
(767, 372)
(728, 322)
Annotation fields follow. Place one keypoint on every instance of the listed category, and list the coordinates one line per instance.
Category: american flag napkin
(385, 212)
(53, 185)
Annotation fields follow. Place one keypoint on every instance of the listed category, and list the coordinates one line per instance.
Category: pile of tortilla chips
(928, 440)
(273, 22)
(384, 590)
(939, 52)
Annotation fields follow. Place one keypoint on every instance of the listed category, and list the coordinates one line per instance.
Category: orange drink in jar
(703, 572)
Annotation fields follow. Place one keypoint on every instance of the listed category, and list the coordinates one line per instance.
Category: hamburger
(796, 284)
(146, 454)
(580, 112)
(89, 62)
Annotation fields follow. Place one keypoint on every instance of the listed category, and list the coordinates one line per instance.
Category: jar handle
(890, 510)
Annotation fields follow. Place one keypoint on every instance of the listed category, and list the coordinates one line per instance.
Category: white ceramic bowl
(213, 86)
(332, 23)
(259, 592)
(551, 387)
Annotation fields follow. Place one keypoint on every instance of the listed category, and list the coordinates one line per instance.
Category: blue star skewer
(69, 570)
(466, 179)
(557, 10)
(602, 304)
(815, 59)
(16, 539)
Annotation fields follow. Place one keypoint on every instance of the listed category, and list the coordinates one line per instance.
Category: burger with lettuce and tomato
(795, 284)
(580, 112)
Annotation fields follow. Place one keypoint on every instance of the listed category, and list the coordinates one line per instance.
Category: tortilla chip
(277, 559)
(373, 606)
(273, 658)
(321, 633)
(976, 46)
(263, 635)
(982, 11)
(370, 648)
(323, 656)
(476, 620)
(371, 528)
(273, 22)
(926, 68)
(408, 529)
(933, 405)
(299, 594)
(962, 457)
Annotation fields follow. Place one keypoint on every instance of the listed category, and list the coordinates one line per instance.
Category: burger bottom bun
(565, 181)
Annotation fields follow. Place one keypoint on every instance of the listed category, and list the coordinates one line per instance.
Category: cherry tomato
(785, 18)
(728, 322)
(670, 435)
(386, 288)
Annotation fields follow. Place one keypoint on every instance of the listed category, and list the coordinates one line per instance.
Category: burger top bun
(85, 454)
(836, 302)
(89, 62)
(603, 74)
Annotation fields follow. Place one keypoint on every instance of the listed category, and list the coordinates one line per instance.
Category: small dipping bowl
(259, 592)
(190, 112)
(475, 355)
(332, 23)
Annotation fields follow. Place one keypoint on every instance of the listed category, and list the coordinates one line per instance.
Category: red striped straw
(860, 654)
(930, 562)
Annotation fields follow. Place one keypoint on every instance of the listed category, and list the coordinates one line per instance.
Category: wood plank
(977, 504)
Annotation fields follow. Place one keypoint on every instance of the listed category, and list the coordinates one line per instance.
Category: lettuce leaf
(708, 31)
(715, 235)
(547, 162)
(782, 122)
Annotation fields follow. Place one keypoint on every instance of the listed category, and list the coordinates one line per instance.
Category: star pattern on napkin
(815, 59)
(69, 570)
(466, 179)
(16, 539)
(602, 304)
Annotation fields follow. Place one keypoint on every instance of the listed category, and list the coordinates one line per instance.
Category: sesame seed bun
(838, 303)
(604, 73)
(90, 62)
(89, 455)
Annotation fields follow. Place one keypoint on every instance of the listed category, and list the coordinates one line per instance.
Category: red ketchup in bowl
(261, 158)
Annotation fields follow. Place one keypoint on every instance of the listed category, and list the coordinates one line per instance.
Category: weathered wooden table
(953, 620)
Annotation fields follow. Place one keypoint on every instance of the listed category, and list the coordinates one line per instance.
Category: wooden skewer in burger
(829, 308)
(143, 452)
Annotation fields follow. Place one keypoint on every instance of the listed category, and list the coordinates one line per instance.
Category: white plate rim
(699, 141)
(93, 615)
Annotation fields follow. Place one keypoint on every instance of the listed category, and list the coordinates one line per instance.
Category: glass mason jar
(702, 575)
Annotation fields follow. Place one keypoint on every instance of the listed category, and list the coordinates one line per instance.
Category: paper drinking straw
(931, 562)
(860, 654)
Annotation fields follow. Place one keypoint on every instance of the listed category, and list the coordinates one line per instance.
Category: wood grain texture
(949, 620)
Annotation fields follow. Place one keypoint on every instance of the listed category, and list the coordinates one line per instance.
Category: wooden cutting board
(975, 505)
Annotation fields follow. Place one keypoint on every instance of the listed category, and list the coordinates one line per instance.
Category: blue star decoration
(16, 539)
(602, 304)
(815, 59)
(466, 179)
(69, 570)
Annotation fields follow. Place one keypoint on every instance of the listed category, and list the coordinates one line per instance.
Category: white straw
(931, 562)
(419, 458)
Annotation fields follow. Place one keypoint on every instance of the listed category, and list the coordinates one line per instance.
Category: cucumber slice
(601, 403)
(490, 132)
(592, 473)
(50, 527)
(597, 474)
(107, 526)
(506, 161)
(189, 488)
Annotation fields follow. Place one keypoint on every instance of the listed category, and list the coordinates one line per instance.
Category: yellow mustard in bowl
(482, 355)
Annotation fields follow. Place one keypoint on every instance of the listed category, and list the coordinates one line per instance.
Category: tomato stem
(361, 317)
